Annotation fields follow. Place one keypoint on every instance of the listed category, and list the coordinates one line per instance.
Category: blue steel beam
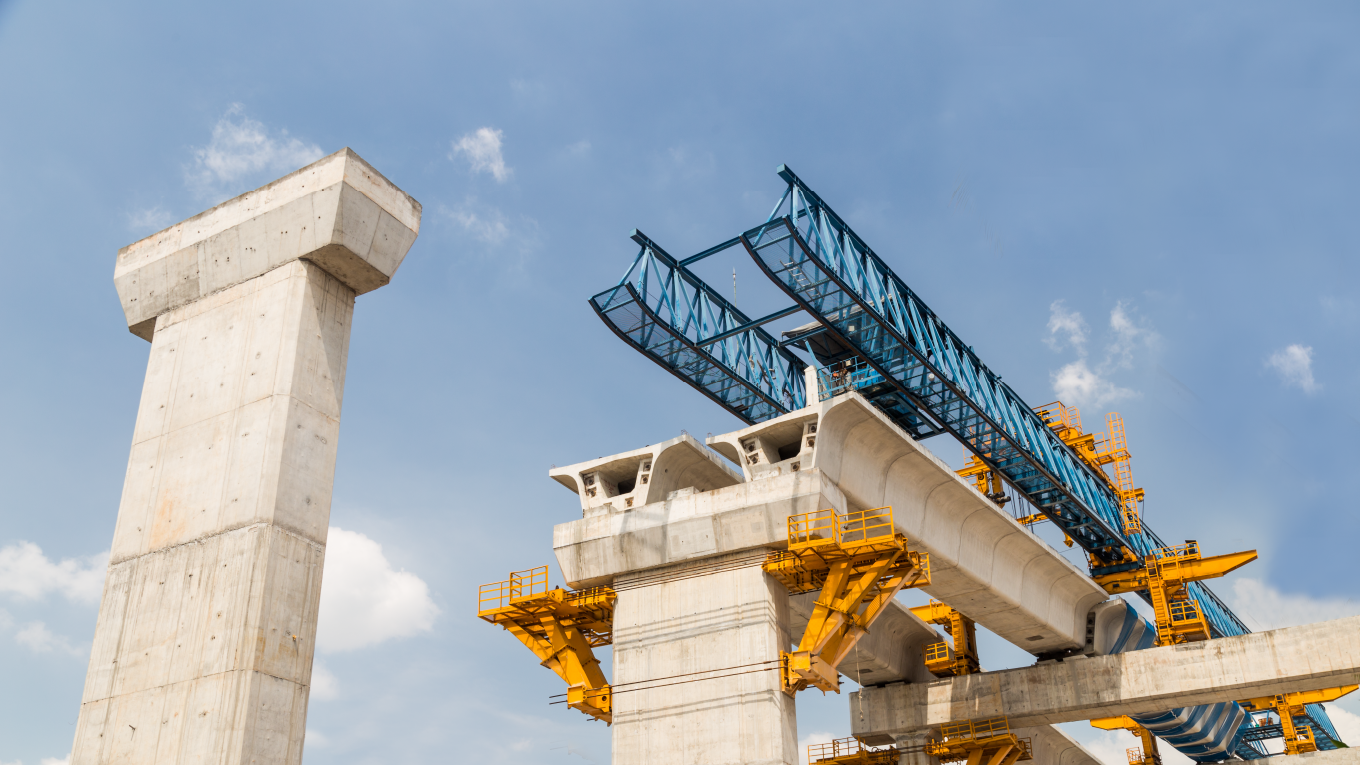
(815, 257)
(663, 310)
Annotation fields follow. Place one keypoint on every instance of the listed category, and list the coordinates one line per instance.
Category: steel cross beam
(691, 331)
(815, 257)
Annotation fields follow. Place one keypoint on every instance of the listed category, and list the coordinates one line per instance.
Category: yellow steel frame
(1146, 754)
(980, 742)
(1098, 450)
(1297, 739)
(942, 659)
(852, 752)
(859, 563)
(1164, 575)
(561, 627)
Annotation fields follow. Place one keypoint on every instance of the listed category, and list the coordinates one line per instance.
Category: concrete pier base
(722, 614)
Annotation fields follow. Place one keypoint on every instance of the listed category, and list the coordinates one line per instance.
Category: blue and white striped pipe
(1207, 733)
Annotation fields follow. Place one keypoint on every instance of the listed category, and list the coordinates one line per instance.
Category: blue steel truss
(815, 257)
(684, 325)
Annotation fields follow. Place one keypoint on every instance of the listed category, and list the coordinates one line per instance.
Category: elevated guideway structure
(873, 335)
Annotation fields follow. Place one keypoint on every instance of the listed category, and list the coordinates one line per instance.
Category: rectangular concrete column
(206, 630)
(711, 614)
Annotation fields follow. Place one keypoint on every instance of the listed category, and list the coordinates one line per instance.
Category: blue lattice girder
(687, 328)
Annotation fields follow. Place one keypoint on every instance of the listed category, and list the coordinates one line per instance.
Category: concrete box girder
(1303, 658)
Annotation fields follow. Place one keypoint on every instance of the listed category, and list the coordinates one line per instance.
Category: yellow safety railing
(1135, 755)
(992, 726)
(814, 527)
(1184, 611)
(841, 747)
(860, 526)
(521, 584)
(939, 652)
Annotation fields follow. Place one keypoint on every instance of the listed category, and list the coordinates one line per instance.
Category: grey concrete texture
(841, 454)
(338, 212)
(1053, 747)
(1303, 658)
(982, 562)
(724, 619)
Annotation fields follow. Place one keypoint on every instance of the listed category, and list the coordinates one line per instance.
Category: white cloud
(1270, 609)
(482, 149)
(315, 738)
(810, 739)
(1065, 326)
(1347, 724)
(363, 600)
(1127, 337)
(57, 761)
(242, 148)
(28, 574)
(325, 685)
(1079, 385)
(1295, 365)
(149, 220)
(36, 637)
(487, 225)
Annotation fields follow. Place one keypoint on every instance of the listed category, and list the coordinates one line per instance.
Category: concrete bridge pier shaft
(206, 629)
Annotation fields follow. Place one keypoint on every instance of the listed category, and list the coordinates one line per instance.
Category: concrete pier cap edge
(338, 212)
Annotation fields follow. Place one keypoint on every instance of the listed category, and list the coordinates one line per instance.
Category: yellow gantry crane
(941, 658)
(980, 742)
(1146, 754)
(1164, 575)
(1298, 739)
(561, 627)
(858, 562)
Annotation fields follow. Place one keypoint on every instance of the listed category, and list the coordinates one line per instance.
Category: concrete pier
(206, 629)
(711, 628)
(1303, 658)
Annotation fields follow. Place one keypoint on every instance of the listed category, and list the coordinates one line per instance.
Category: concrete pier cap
(337, 212)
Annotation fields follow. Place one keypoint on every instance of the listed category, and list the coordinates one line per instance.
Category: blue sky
(1147, 209)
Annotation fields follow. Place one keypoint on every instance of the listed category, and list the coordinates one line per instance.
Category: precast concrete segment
(1053, 747)
(645, 476)
(705, 636)
(337, 212)
(982, 561)
(206, 629)
(1304, 658)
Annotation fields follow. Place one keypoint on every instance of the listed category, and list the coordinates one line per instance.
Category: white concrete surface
(207, 624)
(1302, 658)
(982, 562)
(337, 212)
(891, 652)
(721, 614)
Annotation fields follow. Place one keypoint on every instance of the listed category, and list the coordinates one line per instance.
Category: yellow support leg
(858, 562)
(561, 627)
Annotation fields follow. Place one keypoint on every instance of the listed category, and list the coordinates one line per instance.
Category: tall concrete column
(679, 622)
(207, 625)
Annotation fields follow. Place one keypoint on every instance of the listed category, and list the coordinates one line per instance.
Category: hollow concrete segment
(716, 623)
(982, 562)
(1304, 658)
(206, 628)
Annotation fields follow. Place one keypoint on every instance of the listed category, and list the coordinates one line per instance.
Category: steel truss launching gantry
(873, 335)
